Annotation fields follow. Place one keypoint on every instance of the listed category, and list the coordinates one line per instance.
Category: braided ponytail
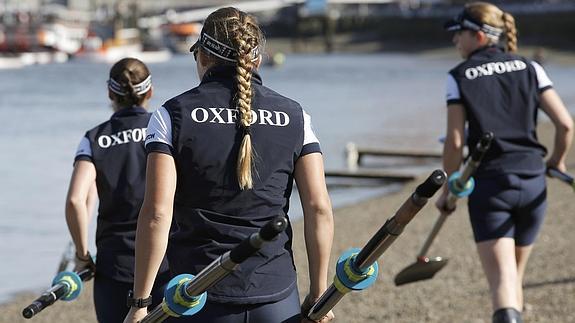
(240, 32)
(244, 102)
(131, 95)
(510, 32)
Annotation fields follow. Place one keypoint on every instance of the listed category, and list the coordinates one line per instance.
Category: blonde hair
(491, 15)
(240, 31)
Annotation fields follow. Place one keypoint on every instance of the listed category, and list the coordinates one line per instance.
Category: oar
(564, 177)
(66, 286)
(186, 294)
(357, 269)
(460, 185)
(67, 257)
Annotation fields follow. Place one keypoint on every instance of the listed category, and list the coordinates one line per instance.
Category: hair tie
(247, 130)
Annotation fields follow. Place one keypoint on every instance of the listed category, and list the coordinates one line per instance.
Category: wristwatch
(138, 302)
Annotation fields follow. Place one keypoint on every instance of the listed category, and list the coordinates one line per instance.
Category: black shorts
(508, 205)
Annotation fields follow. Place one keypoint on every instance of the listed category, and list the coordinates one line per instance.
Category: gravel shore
(458, 293)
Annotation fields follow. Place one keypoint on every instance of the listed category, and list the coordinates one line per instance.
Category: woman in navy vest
(222, 158)
(112, 155)
(495, 90)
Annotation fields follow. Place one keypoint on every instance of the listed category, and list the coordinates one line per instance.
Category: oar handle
(67, 286)
(186, 294)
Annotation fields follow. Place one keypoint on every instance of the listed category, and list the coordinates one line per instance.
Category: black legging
(110, 297)
(285, 311)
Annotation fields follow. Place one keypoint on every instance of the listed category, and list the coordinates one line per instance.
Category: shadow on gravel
(550, 282)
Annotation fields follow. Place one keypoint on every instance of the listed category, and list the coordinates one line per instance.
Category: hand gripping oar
(66, 286)
(186, 294)
(564, 177)
(460, 185)
(357, 269)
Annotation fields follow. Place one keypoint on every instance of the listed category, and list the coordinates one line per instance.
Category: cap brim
(452, 25)
(195, 46)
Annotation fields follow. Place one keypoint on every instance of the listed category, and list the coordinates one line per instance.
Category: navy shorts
(286, 310)
(508, 205)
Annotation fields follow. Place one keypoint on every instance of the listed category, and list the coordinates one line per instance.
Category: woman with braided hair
(113, 157)
(222, 158)
(495, 90)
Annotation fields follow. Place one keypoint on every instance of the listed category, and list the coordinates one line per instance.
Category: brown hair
(491, 15)
(240, 31)
(126, 73)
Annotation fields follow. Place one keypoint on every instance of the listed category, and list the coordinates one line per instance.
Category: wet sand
(458, 293)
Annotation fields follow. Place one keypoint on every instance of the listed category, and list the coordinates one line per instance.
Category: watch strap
(138, 302)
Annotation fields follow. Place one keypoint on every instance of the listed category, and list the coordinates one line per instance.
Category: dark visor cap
(462, 22)
(195, 46)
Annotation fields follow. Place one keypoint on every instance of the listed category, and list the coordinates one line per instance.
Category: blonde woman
(495, 90)
(222, 158)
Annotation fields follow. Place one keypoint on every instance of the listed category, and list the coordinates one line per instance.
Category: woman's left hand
(135, 315)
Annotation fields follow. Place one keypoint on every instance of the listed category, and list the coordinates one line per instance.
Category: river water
(377, 100)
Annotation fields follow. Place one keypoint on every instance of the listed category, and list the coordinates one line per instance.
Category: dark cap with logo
(464, 21)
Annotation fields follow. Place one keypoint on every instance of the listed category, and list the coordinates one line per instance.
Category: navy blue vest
(212, 213)
(119, 157)
(500, 94)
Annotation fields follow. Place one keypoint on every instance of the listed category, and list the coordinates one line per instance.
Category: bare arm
(77, 213)
(453, 147)
(153, 226)
(553, 106)
(91, 201)
(318, 219)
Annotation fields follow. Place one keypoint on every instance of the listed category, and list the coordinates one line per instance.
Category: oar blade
(421, 270)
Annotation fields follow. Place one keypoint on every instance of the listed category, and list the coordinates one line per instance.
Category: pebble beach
(458, 293)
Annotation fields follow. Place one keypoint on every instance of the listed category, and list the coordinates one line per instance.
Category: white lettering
(266, 116)
(497, 67)
(279, 122)
(217, 112)
(138, 134)
(122, 137)
(104, 141)
(204, 115)
(254, 117)
(232, 115)
(471, 73)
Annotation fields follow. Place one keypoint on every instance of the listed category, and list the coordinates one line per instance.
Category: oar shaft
(553, 172)
(196, 286)
(387, 234)
(326, 302)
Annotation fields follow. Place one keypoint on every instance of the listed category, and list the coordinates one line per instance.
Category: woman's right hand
(83, 262)
(441, 204)
(560, 166)
(135, 315)
(306, 306)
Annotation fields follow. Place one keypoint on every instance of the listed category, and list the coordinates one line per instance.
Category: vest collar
(129, 111)
(226, 73)
(486, 49)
